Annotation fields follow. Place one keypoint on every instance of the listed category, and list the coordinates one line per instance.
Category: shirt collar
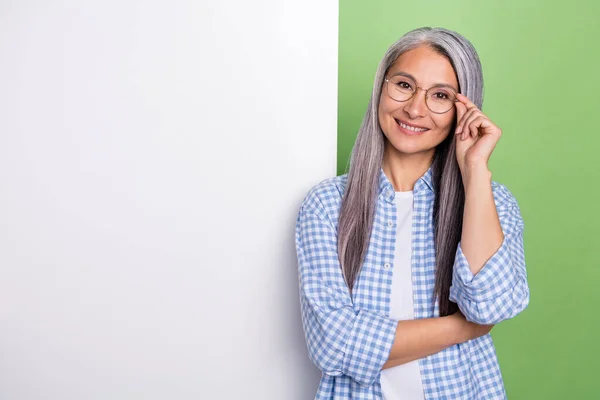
(386, 187)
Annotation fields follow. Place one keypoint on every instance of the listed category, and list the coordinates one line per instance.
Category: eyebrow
(435, 85)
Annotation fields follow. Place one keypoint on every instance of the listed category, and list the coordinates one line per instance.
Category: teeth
(410, 128)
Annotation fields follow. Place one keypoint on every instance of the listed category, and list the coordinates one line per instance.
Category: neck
(403, 170)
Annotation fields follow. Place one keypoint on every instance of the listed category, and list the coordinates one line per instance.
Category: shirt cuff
(495, 278)
(369, 345)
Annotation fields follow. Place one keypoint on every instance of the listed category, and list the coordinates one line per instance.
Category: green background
(542, 88)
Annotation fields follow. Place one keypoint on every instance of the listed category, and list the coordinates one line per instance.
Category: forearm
(481, 231)
(420, 338)
(489, 279)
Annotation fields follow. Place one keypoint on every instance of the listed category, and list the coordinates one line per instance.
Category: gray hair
(360, 196)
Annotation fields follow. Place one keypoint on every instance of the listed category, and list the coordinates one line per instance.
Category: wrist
(476, 175)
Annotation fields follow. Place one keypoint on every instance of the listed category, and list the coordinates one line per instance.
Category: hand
(469, 330)
(476, 135)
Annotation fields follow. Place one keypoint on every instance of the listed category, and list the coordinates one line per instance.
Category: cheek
(382, 111)
(386, 106)
(445, 121)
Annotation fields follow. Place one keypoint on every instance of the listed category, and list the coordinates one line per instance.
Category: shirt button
(386, 266)
(390, 224)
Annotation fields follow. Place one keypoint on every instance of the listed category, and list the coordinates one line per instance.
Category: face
(410, 126)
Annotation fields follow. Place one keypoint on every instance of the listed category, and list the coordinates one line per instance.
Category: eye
(404, 85)
(441, 96)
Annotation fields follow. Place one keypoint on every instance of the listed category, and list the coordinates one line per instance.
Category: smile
(411, 128)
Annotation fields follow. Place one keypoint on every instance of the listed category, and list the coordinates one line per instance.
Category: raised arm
(489, 281)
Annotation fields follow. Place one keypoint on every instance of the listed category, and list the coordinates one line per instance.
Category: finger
(465, 100)
(485, 125)
(469, 116)
(461, 109)
(475, 116)
(460, 124)
(475, 113)
(474, 125)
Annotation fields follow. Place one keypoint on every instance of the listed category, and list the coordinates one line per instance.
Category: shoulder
(507, 206)
(324, 199)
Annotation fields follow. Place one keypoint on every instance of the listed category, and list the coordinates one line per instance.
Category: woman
(406, 262)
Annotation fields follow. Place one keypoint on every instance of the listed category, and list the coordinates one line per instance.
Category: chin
(411, 146)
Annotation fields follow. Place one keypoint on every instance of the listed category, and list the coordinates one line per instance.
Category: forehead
(427, 66)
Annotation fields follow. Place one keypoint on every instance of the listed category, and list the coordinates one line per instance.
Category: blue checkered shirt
(349, 340)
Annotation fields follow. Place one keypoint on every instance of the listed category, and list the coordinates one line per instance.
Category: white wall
(153, 156)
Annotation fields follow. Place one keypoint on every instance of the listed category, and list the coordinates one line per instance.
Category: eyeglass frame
(387, 81)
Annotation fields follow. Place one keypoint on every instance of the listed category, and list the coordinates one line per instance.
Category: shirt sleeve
(340, 339)
(499, 291)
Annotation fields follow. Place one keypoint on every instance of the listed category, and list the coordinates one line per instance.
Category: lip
(408, 131)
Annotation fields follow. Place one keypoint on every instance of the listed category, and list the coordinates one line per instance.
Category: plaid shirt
(349, 340)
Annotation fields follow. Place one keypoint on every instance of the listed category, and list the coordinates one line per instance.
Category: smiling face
(410, 126)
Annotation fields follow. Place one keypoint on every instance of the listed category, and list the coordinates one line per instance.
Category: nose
(415, 107)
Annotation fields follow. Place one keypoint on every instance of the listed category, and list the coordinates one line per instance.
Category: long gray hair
(360, 196)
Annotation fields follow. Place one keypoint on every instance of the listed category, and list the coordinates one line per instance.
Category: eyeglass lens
(438, 99)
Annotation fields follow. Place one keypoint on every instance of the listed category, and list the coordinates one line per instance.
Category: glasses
(439, 99)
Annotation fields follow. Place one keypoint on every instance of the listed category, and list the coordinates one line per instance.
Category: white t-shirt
(402, 382)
